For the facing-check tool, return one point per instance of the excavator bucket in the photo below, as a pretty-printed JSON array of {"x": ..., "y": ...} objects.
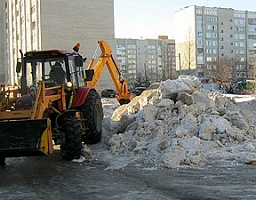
[{"x": 30, "y": 137}]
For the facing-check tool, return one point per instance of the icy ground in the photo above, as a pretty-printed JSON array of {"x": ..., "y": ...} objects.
[{"x": 178, "y": 125}]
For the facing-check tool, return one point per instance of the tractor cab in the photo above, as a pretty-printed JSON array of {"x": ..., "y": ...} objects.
[{"x": 53, "y": 67}]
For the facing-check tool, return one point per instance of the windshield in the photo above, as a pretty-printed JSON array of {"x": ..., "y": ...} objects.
[
  {"x": 46, "y": 70},
  {"x": 53, "y": 71}
]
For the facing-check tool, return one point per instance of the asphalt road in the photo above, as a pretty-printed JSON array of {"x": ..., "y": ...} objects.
[{"x": 50, "y": 177}]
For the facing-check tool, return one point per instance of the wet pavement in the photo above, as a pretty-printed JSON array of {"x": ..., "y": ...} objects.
[{"x": 50, "y": 177}]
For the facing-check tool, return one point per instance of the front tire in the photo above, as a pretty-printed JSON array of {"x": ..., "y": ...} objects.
[
  {"x": 71, "y": 143},
  {"x": 92, "y": 115}
]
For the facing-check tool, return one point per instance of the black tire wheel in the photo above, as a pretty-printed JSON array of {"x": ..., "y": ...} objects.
[
  {"x": 71, "y": 143},
  {"x": 2, "y": 161},
  {"x": 124, "y": 101},
  {"x": 92, "y": 115}
]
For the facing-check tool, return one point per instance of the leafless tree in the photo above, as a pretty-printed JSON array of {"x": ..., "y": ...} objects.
[
  {"x": 252, "y": 72},
  {"x": 222, "y": 72},
  {"x": 188, "y": 60}
]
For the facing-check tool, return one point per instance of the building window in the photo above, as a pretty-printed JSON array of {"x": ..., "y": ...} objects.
[
  {"x": 214, "y": 43},
  {"x": 131, "y": 51},
  {"x": 242, "y": 52},
  {"x": 242, "y": 44},
  {"x": 152, "y": 46},
  {"x": 239, "y": 29},
  {"x": 208, "y": 43},
  {"x": 131, "y": 46},
  {"x": 199, "y": 42},
  {"x": 120, "y": 51},
  {"x": 131, "y": 56},
  {"x": 252, "y": 21},
  {"x": 208, "y": 35},
  {"x": 200, "y": 50},
  {"x": 252, "y": 37},
  {"x": 199, "y": 26},
  {"x": 252, "y": 29},
  {"x": 209, "y": 67},
  {"x": 211, "y": 19},
  {"x": 120, "y": 45},
  {"x": 208, "y": 51},
  {"x": 209, "y": 59},
  {"x": 240, "y": 21},
  {"x": 199, "y": 34},
  {"x": 199, "y": 17},
  {"x": 200, "y": 58}
]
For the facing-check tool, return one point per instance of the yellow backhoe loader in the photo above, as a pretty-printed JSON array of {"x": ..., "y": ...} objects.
[{"x": 56, "y": 103}]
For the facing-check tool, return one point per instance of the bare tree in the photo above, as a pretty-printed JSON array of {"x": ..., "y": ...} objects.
[
  {"x": 252, "y": 72},
  {"x": 188, "y": 60},
  {"x": 222, "y": 72}
]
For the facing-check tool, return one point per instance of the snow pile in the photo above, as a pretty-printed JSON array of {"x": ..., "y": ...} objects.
[{"x": 179, "y": 124}]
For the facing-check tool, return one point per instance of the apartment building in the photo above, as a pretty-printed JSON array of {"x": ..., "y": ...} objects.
[
  {"x": 169, "y": 59},
  {"x": 149, "y": 59},
  {"x": 59, "y": 24},
  {"x": 3, "y": 62},
  {"x": 206, "y": 34}
]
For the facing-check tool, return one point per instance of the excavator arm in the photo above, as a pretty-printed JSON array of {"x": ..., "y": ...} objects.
[{"x": 106, "y": 58}]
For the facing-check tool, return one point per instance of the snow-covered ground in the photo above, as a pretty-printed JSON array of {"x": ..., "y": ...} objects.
[
  {"x": 177, "y": 125},
  {"x": 240, "y": 98}
]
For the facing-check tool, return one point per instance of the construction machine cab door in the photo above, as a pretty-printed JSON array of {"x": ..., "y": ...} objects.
[{"x": 76, "y": 71}]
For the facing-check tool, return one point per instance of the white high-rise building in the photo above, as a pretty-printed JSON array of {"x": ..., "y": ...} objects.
[
  {"x": 59, "y": 24},
  {"x": 149, "y": 59},
  {"x": 206, "y": 34}
]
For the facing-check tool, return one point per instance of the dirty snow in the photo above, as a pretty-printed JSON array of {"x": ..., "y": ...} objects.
[{"x": 176, "y": 125}]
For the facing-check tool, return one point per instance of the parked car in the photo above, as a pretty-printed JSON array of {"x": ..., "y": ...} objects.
[
  {"x": 138, "y": 90},
  {"x": 108, "y": 93}
]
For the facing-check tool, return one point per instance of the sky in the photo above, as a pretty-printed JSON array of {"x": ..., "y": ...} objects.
[{"x": 143, "y": 19}]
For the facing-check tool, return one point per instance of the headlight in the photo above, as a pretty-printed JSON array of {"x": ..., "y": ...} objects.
[{"x": 69, "y": 84}]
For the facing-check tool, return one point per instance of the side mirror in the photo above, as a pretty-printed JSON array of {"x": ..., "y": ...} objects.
[
  {"x": 79, "y": 61},
  {"x": 18, "y": 67},
  {"x": 89, "y": 74}
]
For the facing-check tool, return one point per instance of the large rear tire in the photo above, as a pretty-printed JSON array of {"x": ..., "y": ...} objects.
[
  {"x": 92, "y": 115},
  {"x": 71, "y": 143}
]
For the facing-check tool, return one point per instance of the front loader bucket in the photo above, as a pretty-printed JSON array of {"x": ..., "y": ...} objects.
[{"x": 30, "y": 137}]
